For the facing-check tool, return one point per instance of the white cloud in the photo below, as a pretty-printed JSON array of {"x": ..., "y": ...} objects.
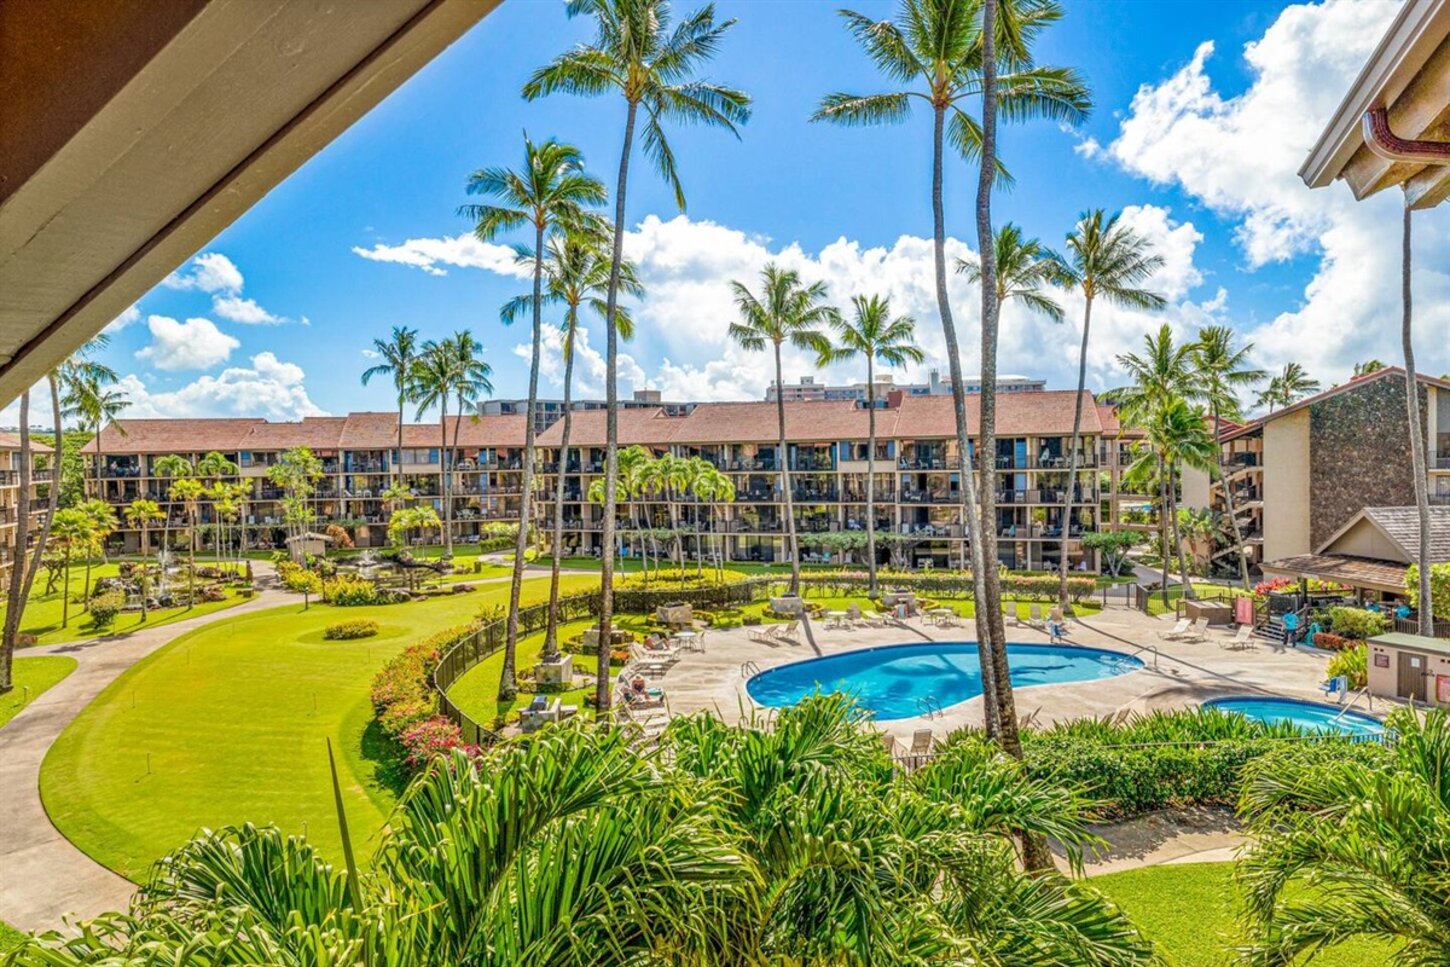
[
  {"x": 589, "y": 365},
  {"x": 1240, "y": 156},
  {"x": 193, "y": 344},
  {"x": 131, "y": 314},
  {"x": 245, "y": 311},
  {"x": 463, "y": 251},
  {"x": 269, "y": 388},
  {"x": 208, "y": 272}
]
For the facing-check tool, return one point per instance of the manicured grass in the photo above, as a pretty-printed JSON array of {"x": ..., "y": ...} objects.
[
  {"x": 42, "y": 616},
  {"x": 32, "y": 677},
  {"x": 477, "y": 691},
  {"x": 1175, "y": 593},
  {"x": 1191, "y": 911},
  {"x": 10, "y": 938},
  {"x": 227, "y": 725}
]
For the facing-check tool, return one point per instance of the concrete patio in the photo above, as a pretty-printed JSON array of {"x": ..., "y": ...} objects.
[{"x": 1174, "y": 674}]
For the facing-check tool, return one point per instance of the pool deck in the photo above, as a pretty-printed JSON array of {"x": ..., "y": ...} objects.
[{"x": 1178, "y": 675}]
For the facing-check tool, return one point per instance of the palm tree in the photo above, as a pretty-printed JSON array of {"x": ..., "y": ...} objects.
[
  {"x": 142, "y": 513},
  {"x": 1367, "y": 367},
  {"x": 578, "y": 273},
  {"x": 551, "y": 193},
  {"x": 1110, "y": 261},
  {"x": 1418, "y": 457},
  {"x": 189, "y": 491},
  {"x": 398, "y": 354},
  {"x": 214, "y": 469},
  {"x": 874, "y": 334},
  {"x": 715, "y": 488},
  {"x": 103, "y": 524},
  {"x": 939, "y": 46},
  {"x": 1223, "y": 371},
  {"x": 1287, "y": 387},
  {"x": 88, "y": 400},
  {"x": 1163, "y": 376},
  {"x": 1024, "y": 268},
  {"x": 785, "y": 311},
  {"x": 172, "y": 466},
  {"x": 433, "y": 376},
  {"x": 635, "y": 54},
  {"x": 1177, "y": 436},
  {"x": 1343, "y": 848},
  {"x": 74, "y": 529}
]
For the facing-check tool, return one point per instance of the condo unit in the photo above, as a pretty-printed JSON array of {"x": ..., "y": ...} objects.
[{"x": 40, "y": 481}]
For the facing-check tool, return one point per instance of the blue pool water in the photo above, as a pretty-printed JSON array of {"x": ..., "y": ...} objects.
[
  {"x": 892, "y": 681},
  {"x": 1307, "y": 715}
]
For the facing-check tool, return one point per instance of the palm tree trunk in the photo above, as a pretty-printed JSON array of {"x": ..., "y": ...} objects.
[
  {"x": 992, "y": 712},
  {"x": 443, "y": 474},
  {"x": 1178, "y": 534},
  {"x": 551, "y": 630},
  {"x": 1417, "y": 435},
  {"x": 144, "y": 580},
  {"x": 611, "y": 424},
  {"x": 792, "y": 546},
  {"x": 1087, "y": 321},
  {"x": 52, "y": 500},
  {"x": 872, "y": 590},
  {"x": 1163, "y": 522},
  {"x": 15, "y": 596},
  {"x": 65, "y": 594},
  {"x": 507, "y": 686},
  {"x": 1228, "y": 498}
]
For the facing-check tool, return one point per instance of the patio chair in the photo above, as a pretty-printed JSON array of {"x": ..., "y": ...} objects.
[
  {"x": 1197, "y": 631},
  {"x": 765, "y": 635},
  {"x": 922, "y": 742},
  {"x": 1177, "y": 631},
  {"x": 873, "y": 620},
  {"x": 661, "y": 649},
  {"x": 651, "y": 665},
  {"x": 1243, "y": 638},
  {"x": 1034, "y": 618},
  {"x": 853, "y": 614},
  {"x": 788, "y": 633},
  {"x": 889, "y": 742}
]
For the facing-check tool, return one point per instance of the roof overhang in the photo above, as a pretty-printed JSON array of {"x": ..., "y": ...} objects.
[
  {"x": 1409, "y": 75},
  {"x": 1371, "y": 575},
  {"x": 133, "y": 133}
]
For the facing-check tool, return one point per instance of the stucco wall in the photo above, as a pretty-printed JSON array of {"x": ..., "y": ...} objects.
[
  {"x": 1195, "y": 489},
  {"x": 1286, "y": 486}
]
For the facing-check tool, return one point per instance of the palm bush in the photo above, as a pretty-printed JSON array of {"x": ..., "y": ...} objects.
[{"x": 1349, "y": 849}]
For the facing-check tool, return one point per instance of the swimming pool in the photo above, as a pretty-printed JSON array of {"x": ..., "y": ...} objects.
[
  {"x": 1314, "y": 716},
  {"x": 895, "y": 681}
]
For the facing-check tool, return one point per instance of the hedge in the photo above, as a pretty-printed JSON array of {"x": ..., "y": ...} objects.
[
  {"x": 351, "y": 630},
  {"x": 957, "y": 583},
  {"x": 405, "y": 704}
]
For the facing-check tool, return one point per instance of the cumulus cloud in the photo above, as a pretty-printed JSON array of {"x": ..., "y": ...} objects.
[
  {"x": 193, "y": 344},
  {"x": 463, "y": 251},
  {"x": 208, "y": 272},
  {"x": 269, "y": 387},
  {"x": 589, "y": 365},
  {"x": 1239, "y": 155},
  {"x": 245, "y": 311},
  {"x": 131, "y": 314}
]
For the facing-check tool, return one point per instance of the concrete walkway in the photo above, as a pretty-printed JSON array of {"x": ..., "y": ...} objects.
[{"x": 44, "y": 880}]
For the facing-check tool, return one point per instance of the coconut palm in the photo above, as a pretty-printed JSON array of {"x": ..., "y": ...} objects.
[
  {"x": 1110, "y": 261},
  {"x": 398, "y": 354},
  {"x": 872, "y": 332},
  {"x": 1223, "y": 371},
  {"x": 1344, "y": 849},
  {"x": 715, "y": 488},
  {"x": 141, "y": 514},
  {"x": 937, "y": 46},
  {"x": 1025, "y": 267},
  {"x": 1286, "y": 387},
  {"x": 433, "y": 376},
  {"x": 636, "y": 54},
  {"x": 551, "y": 193},
  {"x": 215, "y": 469},
  {"x": 786, "y": 311},
  {"x": 88, "y": 399},
  {"x": 172, "y": 466},
  {"x": 578, "y": 272},
  {"x": 1176, "y": 437},
  {"x": 1418, "y": 458},
  {"x": 1368, "y": 366},
  {"x": 1163, "y": 375},
  {"x": 103, "y": 524},
  {"x": 188, "y": 491}
]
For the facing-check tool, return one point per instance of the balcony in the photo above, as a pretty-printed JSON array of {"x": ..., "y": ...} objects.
[
  {"x": 1440, "y": 500},
  {"x": 929, "y": 497}
]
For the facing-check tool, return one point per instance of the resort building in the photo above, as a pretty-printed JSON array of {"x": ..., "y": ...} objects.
[
  {"x": 1298, "y": 475},
  {"x": 808, "y": 389},
  {"x": 917, "y": 495},
  {"x": 360, "y": 459},
  {"x": 40, "y": 478},
  {"x": 547, "y": 411}
]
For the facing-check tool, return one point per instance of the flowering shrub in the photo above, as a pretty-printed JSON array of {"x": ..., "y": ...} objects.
[
  {"x": 1285, "y": 585},
  {"x": 297, "y": 578},
  {"x": 351, "y": 630},
  {"x": 1330, "y": 642},
  {"x": 1358, "y": 623},
  {"x": 346, "y": 591},
  {"x": 404, "y": 703}
]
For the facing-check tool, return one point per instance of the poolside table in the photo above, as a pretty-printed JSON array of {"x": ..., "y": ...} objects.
[
  {"x": 942, "y": 616},
  {"x": 688, "y": 639},
  {"x": 836, "y": 619}
]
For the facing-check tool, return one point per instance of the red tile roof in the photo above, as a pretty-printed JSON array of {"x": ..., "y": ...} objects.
[{"x": 356, "y": 431}]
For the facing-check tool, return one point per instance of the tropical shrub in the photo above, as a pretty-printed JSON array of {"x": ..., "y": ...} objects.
[
  {"x": 213, "y": 593},
  {"x": 403, "y": 698},
  {"x": 1113, "y": 545},
  {"x": 347, "y": 591},
  {"x": 105, "y": 607},
  {"x": 351, "y": 630},
  {"x": 1439, "y": 587},
  {"x": 341, "y": 539},
  {"x": 1353, "y": 664},
  {"x": 1358, "y": 623},
  {"x": 1329, "y": 641}
]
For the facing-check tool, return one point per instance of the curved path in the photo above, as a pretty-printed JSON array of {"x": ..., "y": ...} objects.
[{"x": 44, "y": 880}]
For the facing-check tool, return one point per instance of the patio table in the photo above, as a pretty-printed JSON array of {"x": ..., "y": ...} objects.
[
  {"x": 941, "y": 616},
  {"x": 836, "y": 619},
  {"x": 687, "y": 639}
]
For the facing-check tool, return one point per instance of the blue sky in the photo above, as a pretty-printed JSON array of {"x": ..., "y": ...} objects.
[{"x": 1186, "y": 138}]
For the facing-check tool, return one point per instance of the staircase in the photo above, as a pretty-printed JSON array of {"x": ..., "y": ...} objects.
[{"x": 1272, "y": 630}]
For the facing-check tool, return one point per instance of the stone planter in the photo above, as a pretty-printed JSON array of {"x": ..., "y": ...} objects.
[
  {"x": 618, "y": 638},
  {"x": 787, "y": 604},
  {"x": 1213, "y": 612},
  {"x": 676, "y": 614},
  {"x": 556, "y": 672}
]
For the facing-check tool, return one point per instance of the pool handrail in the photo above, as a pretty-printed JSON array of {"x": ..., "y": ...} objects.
[{"x": 1363, "y": 693}]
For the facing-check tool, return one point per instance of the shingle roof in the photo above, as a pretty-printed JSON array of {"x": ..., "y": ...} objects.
[
  {"x": 356, "y": 431},
  {"x": 1341, "y": 568},
  {"x": 1402, "y": 525},
  {"x": 1396, "y": 372},
  {"x": 11, "y": 441},
  {"x": 1045, "y": 412}
]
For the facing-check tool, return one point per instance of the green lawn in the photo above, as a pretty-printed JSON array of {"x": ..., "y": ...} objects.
[
  {"x": 32, "y": 677},
  {"x": 10, "y": 938},
  {"x": 1191, "y": 911},
  {"x": 227, "y": 725},
  {"x": 42, "y": 616},
  {"x": 1175, "y": 593},
  {"x": 477, "y": 691}
]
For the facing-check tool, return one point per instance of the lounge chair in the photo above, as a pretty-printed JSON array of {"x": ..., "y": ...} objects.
[
  {"x": 1178, "y": 631},
  {"x": 765, "y": 635},
  {"x": 1034, "y": 618},
  {"x": 651, "y": 664},
  {"x": 853, "y": 615},
  {"x": 889, "y": 741},
  {"x": 788, "y": 633},
  {"x": 922, "y": 742},
  {"x": 1243, "y": 638},
  {"x": 873, "y": 620},
  {"x": 1197, "y": 631}
]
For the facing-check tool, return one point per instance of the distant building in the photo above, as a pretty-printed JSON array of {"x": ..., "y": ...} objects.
[
  {"x": 546, "y": 411},
  {"x": 808, "y": 389}
]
